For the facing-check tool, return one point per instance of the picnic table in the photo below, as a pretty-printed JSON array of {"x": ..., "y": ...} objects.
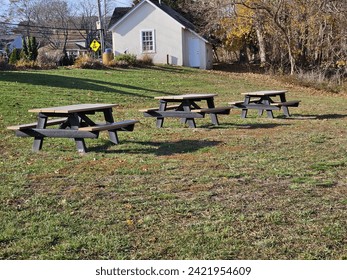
[
  {"x": 74, "y": 122},
  {"x": 186, "y": 108},
  {"x": 265, "y": 101}
]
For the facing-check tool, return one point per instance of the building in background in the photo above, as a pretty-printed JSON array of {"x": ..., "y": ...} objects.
[{"x": 153, "y": 29}]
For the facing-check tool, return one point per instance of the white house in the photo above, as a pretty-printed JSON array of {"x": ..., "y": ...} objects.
[{"x": 153, "y": 29}]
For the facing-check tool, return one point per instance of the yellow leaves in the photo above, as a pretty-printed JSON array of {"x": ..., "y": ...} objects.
[
  {"x": 341, "y": 63},
  {"x": 234, "y": 29}
]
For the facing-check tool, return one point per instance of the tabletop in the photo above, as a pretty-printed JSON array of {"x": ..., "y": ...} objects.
[
  {"x": 187, "y": 96},
  {"x": 264, "y": 92},
  {"x": 73, "y": 108}
]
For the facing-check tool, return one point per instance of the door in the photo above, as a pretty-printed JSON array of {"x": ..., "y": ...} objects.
[{"x": 194, "y": 52}]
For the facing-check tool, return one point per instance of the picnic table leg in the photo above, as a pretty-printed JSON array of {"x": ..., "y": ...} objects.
[
  {"x": 269, "y": 112},
  {"x": 260, "y": 111},
  {"x": 109, "y": 119},
  {"x": 75, "y": 124},
  {"x": 285, "y": 108},
  {"x": 38, "y": 141},
  {"x": 186, "y": 108},
  {"x": 214, "y": 118},
  {"x": 244, "y": 111},
  {"x": 286, "y": 111},
  {"x": 162, "y": 107}
]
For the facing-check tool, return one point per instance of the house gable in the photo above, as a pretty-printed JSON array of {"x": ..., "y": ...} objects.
[
  {"x": 118, "y": 13},
  {"x": 121, "y": 14},
  {"x": 134, "y": 13}
]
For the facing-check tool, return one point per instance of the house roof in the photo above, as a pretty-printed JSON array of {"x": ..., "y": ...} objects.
[
  {"x": 120, "y": 15},
  {"x": 175, "y": 15}
]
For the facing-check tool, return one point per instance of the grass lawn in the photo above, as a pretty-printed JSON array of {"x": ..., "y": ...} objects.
[{"x": 252, "y": 188}]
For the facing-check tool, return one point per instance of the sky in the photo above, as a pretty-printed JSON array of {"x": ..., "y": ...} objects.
[
  {"x": 124, "y": 3},
  {"x": 112, "y": 5},
  {"x": 117, "y": 3}
]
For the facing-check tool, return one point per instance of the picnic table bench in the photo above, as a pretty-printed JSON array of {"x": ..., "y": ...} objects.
[
  {"x": 74, "y": 124},
  {"x": 186, "y": 108},
  {"x": 263, "y": 101}
]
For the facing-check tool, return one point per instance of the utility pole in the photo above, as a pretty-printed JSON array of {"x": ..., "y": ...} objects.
[
  {"x": 105, "y": 20},
  {"x": 101, "y": 28}
]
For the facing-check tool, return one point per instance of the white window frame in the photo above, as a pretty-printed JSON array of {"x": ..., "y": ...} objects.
[{"x": 142, "y": 41}]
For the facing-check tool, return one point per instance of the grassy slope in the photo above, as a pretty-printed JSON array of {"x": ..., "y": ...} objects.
[{"x": 249, "y": 189}]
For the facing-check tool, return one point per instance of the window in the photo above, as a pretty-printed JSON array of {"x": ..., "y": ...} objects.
[{"x": 147, "y": 41}]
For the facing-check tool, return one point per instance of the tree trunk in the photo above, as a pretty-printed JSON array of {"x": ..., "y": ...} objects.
[{"x": 261, "y": 42}]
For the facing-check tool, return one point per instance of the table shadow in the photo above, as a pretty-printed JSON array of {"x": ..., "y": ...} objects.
[
  {"x": 156, "y": 148},
  {"x": 245, "y": 126},
  {"x": 318, "y": 117}
]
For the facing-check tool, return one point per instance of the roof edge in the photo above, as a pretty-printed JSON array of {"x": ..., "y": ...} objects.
[
  {"x": 135, "y": 8},
  {"x": 156, "y": 7}
]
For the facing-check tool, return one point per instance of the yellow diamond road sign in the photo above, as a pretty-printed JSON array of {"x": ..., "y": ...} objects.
[{"x": 95, "y": 45}]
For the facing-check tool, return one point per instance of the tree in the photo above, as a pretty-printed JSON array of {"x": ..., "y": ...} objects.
[
  {"x": 301, "y": 34},
  {"x": 14, "y": 56},
  {"x": 4, "y": 27},
  {"x": 24, "y": 52},
  {"x": 23, "y": 11},
  {"x": 53, "y": 19},
  {"x": 30, "y": 48}
]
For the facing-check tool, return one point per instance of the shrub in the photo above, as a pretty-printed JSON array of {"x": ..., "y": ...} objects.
[
  {"x": 23, "y": 64},
  {"x": 87, "y": 62},
  {"x": 146, "y": 60},
  {"x": 66, "y": 60},
  {"x": 49, "y": 59},
  {"x": 4, "y": 64},
  {"x": 125, "y": 60},
  {"x": 30, "y": 48},
  {"x": 15, "y": 56}
]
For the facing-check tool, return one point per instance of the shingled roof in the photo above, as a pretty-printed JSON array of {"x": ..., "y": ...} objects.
[
  {"x": 175, "y": 15},
  {"x": 119, "y": 13}
]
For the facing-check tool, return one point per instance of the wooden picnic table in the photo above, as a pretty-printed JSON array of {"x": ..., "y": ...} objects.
[
  {"x": 186, "y": 108},
  {"x": 74, "y": 122},
  {"x": 264, "y": 101}
]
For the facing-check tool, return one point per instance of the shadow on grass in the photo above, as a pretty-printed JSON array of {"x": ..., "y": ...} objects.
[
  {"x": 42, "y": 79},
  {"x": 330, "y": 116},
  {"x": 157, "y": 148},
  {"x": 313, "y": 117},
  {"x": 239, "y": 68},
  {"x": 245, "y": 126},
  {"x": 173, "y": 69}
]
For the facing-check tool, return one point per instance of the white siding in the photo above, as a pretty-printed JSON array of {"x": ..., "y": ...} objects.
[
  {"x": 168, "y": 34},
  {"x": 205, "y": 51}
]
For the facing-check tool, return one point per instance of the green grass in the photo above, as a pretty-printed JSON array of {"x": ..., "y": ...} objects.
[{"x": 251, "y": 188}]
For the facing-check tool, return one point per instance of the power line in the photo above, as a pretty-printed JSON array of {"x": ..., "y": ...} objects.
[{"x": 44, "y": 27}]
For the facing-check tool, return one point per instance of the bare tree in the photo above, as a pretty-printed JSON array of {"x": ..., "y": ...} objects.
[
  {"x": 85, "y": 18},
  {"x": 53, "y": 21},
  {"x": 23, "y": 11},
  {"x": 4, "y": 15}
]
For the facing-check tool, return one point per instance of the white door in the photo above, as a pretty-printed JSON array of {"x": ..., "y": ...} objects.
[{"x": 194, "y": 52}]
